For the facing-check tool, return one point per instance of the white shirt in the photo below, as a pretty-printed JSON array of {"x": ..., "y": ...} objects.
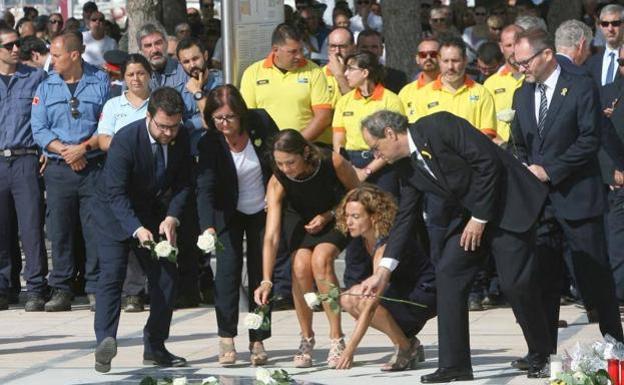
[
  {"x": 606, "y": 59},
  {"x": 95, "y": 49},
  {"x": 250, "y": 184},
  {"x": 374, "y": 22},
  {"x": 550, "y": 84}
]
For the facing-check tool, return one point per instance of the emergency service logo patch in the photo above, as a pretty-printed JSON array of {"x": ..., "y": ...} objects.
[
  {"x": 433, "y": 104},
  {"x": 262, "y": 82},
  {"x": 35, "y": 101},
  {"x": 499, "y": 91}
]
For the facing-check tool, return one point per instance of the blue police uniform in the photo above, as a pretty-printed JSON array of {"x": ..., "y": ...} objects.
[
  {"x": 119, "y": 112},
  {"x": 20, "y": 189},
  {"x": 69, "y": 193}
]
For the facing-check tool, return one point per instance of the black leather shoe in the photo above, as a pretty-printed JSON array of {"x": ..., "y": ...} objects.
[
  {"x": 447, "y": 375},
  {"x": 521, "y": 363},
  {"x": 163, "y": 359},
  {"x": 539, "y": 371},
  {"x": 104, "y": 354},
  {"x": 60, "y": 301},
  {"x": 34, "y": 302}
]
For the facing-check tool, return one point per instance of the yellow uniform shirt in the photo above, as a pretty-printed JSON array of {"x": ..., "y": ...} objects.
[
  {"x": 289, "y": 97},
  {"x": 502, "y": 85},
  {"x": 409, "y": 96},
  {"x": 471, "y": 101},
  {"x": 332, "y": 86},
  {"x": 352, "y": 108}
]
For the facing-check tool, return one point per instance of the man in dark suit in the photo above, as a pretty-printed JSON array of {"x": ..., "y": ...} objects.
[
  {"x": 556, "y": 134},
  {"x": 572, "y": 40},
  {"x": 613, "y": 175},
  {"x": 602, "y": 65},
  {"x": 142, "y": 192},
  {"x": 500, "y": 202}
]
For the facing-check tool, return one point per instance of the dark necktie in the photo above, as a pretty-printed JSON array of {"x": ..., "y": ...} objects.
[
  {"x": 611, "y": 69},
  {"x": 543, "y": 108},
  {"x": 159, "y": 165}
]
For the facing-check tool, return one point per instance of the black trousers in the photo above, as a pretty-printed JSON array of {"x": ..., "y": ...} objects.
[
  {"x": 21, "y": 202},
  {"x": 230, "y": 266},
  {"x": 615, "y": 239},
  {"x": 455, "y": 272},
  {"x": 161, "y": 277},
  {"x": 586, "y": 243}
]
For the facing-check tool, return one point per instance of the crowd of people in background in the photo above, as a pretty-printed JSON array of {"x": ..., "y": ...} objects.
[{"x": 300, "y": 164}]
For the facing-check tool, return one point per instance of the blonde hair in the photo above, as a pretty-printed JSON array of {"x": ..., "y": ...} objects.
[{"x": 379, "y": 205}]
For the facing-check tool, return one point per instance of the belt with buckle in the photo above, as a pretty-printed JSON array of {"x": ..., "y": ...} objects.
[{"x": 7, "y": 153}]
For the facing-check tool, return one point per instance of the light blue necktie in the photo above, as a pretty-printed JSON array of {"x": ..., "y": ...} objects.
[{"x": 611, "y": 69}]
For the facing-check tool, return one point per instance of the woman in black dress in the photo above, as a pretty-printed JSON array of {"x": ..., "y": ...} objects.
[
  {"x": 231, "y": 184},
  {"x": 307, "y": 184}
]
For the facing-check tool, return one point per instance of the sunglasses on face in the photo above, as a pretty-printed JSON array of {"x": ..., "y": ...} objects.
[
  {"x": 56, "y": 21},
  {"x": 9, "y": 46},
  {"x": 73, "y": 107},
  {"x": 426, "y": 54},
  {"x": 100, "y": 19},
  {"x": 615, "y": 23}
]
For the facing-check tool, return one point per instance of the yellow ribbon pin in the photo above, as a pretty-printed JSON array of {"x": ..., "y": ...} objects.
[
  {"x": 564, "y": 91},
  {"x": 425, "y": 154}
]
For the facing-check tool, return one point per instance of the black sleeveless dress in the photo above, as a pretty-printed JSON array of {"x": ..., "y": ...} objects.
[{"x": 307, "y": 198}]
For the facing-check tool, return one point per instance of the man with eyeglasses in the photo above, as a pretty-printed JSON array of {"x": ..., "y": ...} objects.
[
  {"x": 96, "y": 41},
  {"x": 556, "y": 134},
  {"x": 340, "y": 45},
  {"x": 140, "y": 198},
  {"x": 65, "y": 112},
  {"x": 20, "y": 189},
  {"x": 603, "y": 65},
  {"x": 504, "y": 83},
  {"x": 364, "y": 19},
  {"x": 427, "y": 62}
]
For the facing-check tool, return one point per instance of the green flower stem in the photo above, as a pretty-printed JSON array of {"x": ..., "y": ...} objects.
[{"x": 388, "y": 299}]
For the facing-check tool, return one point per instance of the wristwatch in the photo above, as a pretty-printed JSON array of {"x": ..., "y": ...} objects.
[{"x": 199, "y": 95}]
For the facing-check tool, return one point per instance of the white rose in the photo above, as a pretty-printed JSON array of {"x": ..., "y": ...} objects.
[
  {"x": 207, "y": 242},
  {"x": 180, "y": 381},
  {"x": 506, "y": 115},
  {"x": 312, "y": 300},
  {"x": 253, "y": 321},
  {"x": 163, "y": 249},
  {"x": 210, "y": 381},
  {"x": 264, "y": 375}
]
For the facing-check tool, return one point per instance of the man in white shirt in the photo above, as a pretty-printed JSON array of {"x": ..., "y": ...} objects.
[
  {"x": 603, "y": 65},
  {"x": 96, "y": 41}
]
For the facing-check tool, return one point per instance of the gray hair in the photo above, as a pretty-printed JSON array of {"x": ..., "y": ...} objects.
[
  {"x": 148, "y": 29},
  {"x": 527, "y": 22},
  {"x": 570, "y": 33},
  {"x": 611, "y": 9},
  {"x": 376, "y": 123}
]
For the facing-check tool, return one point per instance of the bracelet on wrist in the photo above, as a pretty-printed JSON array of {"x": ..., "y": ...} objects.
[{"x": 265, "y": 281}]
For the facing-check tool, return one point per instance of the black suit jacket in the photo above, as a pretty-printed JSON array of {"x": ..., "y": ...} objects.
[
  {"x": 612, "y": 157},
  {"x": 571, "y": 67},
  {"x": 127, "y": 193},
  {"x": 568, "y": 146},
  {"x": 470, "y": 171},
  {"x": 594, "y": 66},
  {"x": 217, "y": 181}
]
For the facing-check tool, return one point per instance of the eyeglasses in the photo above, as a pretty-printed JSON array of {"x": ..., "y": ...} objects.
[
  {"x": 352, "y": 68},
  {"x": 9, "y": 46},
  {"x": 438, "y": 19},
  {"x": 374, "y": 149},
  {"x": 526, "y": 63},
  {"x": 338, "y": 46},
  {"x": 55, "y": 21},
  {"x": 615, "y": 23},
  {"x": 164, "y": 127},
  {"x": 224, "y": 118},
  {"x": 426, "y": 54},
  {"x": 620, "y": 61},
  {"x": 73, "y": 107}
]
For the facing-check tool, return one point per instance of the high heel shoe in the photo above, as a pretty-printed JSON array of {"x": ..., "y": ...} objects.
[
  {"x": 336, "y": 347},
  {"x": 257, "y": 355},
  {"x": 227, "y": 353},
  {"x": 303, "y": 357},
  {"x": 405, "y": 359}
]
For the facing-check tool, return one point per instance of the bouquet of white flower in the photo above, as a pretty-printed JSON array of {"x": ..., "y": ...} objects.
[
  {"x": 209, "y": 243},
  {"x": 163, "y": 249},
  {"x": 506, "y": 115}
]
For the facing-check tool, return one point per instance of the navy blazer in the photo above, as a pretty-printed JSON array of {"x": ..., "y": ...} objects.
[
  {"x": 568, "y": 146},
  {"x": 471, "y": 172},
  {"x": 594, "y": 66},
  {"x": 571, "y": 67},
  {"x": 217, "y": 181},
  {"x": 127, "y": 193},
  {"x": 613, "y": 156}
]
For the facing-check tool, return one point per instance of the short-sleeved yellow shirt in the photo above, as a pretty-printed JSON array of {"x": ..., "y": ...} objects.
[
  {"x": 332, "y": 86},
  {"x": 502, "y": 85},
  {"x": 471, "y": 101},
  {"x": 289, "y": 97},
  {"x": 409, "y": 95},
  {"x": 352, "y": 108}
]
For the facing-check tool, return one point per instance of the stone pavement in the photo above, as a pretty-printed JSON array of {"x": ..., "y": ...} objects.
[{"x": 57, "y": 349}]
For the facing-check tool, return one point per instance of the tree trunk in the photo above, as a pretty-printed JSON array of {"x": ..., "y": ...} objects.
[
  {"x": 140, "y": 12},
  {"x": 401, "y": 29},
  {"x": 173, "y": 13}
]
